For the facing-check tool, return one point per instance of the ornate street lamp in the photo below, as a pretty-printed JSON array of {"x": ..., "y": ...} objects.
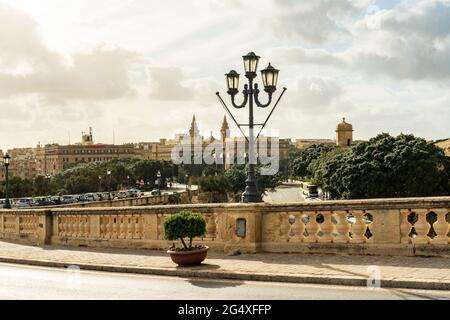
[
  {"x": 99, "y": 183},
  {"x": 108, "y": 173},
  {"x": 6, "y": 159},
  {"x": 158, "y": 177},
  {"x": 251, "y": 92}
]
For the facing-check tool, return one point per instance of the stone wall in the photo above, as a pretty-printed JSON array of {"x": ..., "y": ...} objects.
[{"x": 413, "y": 226}]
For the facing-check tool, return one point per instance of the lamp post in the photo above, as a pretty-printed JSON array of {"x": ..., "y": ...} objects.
[
  {"x": 47, "y": 179},
  {"x": 99, "y": 183},
  {"x": 186, "y": 181},
  {"x": 6, "y": 160},
  {"x": 108, "y": 173},
  {"x": 158, "y": 177},
  {"x": 251, "y": 92}
]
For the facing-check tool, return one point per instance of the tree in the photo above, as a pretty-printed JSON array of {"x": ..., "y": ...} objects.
[
  {"x": 214, "y": 184},
  {"x": 236, "y": 177},
  {"x": 184, "y": 224},
  {"x": 386, "y": 166},
  {"x": 19, "y": 188},
  {"x": 301, "y": 159}
]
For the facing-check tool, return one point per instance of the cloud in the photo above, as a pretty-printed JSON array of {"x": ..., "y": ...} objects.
[
  {"x": 165, "y": 83},
  {"x": 406, "y": 42},
  {"x": 314, "y": 21},
  {"x": 28, "y": 67},
  {"x": 314, "y": 94},
  {"x": 300, "y": 55}
]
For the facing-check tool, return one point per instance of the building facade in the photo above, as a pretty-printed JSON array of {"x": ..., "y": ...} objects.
[
  {"x": 444, "y": 145},
  {"x": 54, "y": 158}
]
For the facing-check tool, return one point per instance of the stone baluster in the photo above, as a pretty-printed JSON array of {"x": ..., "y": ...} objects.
[
  {"x": 131, "y": 226},
  {"x": 358, "y": 228},
  {"x": 81, "y": 226},
  {"x": 441, "y": 227},
  {"x": 297, "y": 228},
  {"x": 140, "y": 227},
  {"x": 70, "y": 226},
  {"x": 211, "y": 227},
  {"x": 160, "y": 226},
  {"x": 115, "y": 229},
  {"x": 312, "y": 227},
  {"x": 422, "y": 227},
  {"x": 61, "y": 231},
  {"x": 342, "y": 227},
  {"x": 74, "y": 226},
  {"x": 103, "y": 227},
  {"x": 327, "y": 228},
  {"x": 405, "y": 226},
  {"x": 284, "y": 227},
  {"x": 66, "y": 223},
  {"x": 109, "y": 226},
  {"x": 122, "y": 227},
  {"x": 87, "y": 227}
]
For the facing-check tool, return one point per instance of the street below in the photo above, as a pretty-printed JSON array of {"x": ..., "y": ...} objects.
[{"x": 27, "y": 282}]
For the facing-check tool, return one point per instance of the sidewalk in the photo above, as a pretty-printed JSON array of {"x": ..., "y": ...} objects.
[{"x": 398, "y": 272}]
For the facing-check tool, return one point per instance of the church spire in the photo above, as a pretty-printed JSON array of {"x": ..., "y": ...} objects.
[
  {"x": 193, "y": 131},
  {"x": 225, "y": 128}
]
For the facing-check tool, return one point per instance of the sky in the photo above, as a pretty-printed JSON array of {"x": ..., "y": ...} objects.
[{"x": 137, "y": 70}]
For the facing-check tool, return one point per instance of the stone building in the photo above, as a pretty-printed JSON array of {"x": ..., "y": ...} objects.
[
  {"x": 162, "y": 150},
  {"x": 305, "y": 143},
  {"x": 54, "y": 158},
  {"x": 23, "y": 162},
  {"x": 344, "y": 134},
  {"x": 444, "y": 145}
]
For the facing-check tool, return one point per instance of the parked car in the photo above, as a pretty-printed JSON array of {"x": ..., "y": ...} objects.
[
  {"x": 24, "y": 203},
  {"x": 122, "y": 195},
  {"x": 42, "y": 201},
  {"x": 134, "y": 193},
  {"x": 56, "y": 200},
  {"x": 106, "y": 196},
  {"x": 68, "y": 199},
  {"x": 155, "y": 192},
  {"x": 91, "y": 197}
]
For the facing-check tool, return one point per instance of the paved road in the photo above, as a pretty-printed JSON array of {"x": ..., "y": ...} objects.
[
  {"x": 284, "y": 193},
  {"x": 26, "y": 282}
]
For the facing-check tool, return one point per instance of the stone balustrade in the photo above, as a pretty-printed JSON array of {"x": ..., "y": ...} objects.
[
  {"x": 185, "y": 197},
  {"x": 413, "y": 226}
]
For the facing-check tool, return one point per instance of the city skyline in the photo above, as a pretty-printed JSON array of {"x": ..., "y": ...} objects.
[{"x": 116, "y": 66}]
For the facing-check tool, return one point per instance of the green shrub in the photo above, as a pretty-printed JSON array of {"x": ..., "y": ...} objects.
[
  {"x": 185, "y": 224},
  {"x": 174, "y": 198}
]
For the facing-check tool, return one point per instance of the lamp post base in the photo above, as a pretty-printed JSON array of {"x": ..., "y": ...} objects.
[
  {"x": 7, "y": 205},
  {"x": 251, "y": 197}
]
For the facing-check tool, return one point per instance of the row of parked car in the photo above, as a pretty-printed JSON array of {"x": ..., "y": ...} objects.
[{"x": 69, "y": 199}]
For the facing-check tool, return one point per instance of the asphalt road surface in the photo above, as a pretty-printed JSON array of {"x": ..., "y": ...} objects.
[
  {"x": 284, "y": 193},
  {"x": 26, "y": 282}
]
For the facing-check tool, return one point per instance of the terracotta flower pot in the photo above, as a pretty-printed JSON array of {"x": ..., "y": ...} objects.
[{"x": 188, "y": 258}]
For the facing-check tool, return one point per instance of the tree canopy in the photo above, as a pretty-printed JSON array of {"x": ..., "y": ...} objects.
[{"x": 384, "y": 167}]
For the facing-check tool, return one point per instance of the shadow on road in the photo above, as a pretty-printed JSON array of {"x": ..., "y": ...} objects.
[{"x": 213, "y": 284}]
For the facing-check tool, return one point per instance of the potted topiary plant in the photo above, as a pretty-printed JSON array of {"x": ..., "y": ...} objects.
[{"x": 181, "y": 225}]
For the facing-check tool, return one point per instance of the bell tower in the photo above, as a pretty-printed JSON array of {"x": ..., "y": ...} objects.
[{"x": 344, "y": 134}]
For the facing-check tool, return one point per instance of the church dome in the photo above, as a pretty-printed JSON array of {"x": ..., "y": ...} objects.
[{"x": 344, "y": 126}]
